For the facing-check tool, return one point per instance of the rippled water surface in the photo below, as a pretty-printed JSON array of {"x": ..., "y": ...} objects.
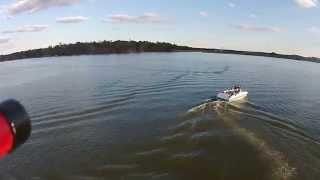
[{"x": 144, "y": 116}]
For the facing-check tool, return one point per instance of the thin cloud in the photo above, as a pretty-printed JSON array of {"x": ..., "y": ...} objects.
[
  {"x": 252, "y": 28},
  {"x": 142, "y": 19},
  {"x": 30, "y": 6},
  {"x": 314, "y": 30},
  {"x": 4, "y": 17},
  {"x": 4, "y": 40},
  {"x": 27, "y": 28},
  {"x": 203, "y": 14},
  {"x": 231, "y": 4},
  {"x": 71, "y": 19},
  {"x": 253, "y": 16},
  {"x": 307, "y": 3}
]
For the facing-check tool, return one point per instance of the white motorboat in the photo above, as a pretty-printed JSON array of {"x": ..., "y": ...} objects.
[{"x": 234, "y": 94}]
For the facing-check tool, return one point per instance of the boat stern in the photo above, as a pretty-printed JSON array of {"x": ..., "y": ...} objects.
[{"x": 223, "y": 96}]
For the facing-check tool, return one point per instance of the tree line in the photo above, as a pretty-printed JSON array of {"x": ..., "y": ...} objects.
[
  {"x": 114, "y": 47},
  {"x": 103, "y": 47}
]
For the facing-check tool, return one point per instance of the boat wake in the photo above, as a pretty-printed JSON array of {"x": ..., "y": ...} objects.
[
  {"x": 209, "y": 104},
  {"x": 224, "y": 140},
  {"x": 231, "y": 115}
]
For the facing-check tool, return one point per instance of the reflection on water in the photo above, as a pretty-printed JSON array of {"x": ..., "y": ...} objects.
[{"x": 135, "y": 117}]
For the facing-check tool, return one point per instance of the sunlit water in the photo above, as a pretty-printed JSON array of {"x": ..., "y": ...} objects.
[{"x": 143, "y": 116}]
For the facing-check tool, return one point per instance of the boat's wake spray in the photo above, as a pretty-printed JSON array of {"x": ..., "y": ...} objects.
[{"x": 206, "y": 105}]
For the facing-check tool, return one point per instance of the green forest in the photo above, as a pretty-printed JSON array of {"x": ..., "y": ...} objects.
[{"x": 103, "y": 47}]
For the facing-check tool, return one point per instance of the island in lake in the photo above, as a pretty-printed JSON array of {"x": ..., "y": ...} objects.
[{"x": 117, "y": 47}]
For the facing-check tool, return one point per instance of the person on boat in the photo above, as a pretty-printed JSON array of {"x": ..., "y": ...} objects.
[{"x": 236, "y": 89}]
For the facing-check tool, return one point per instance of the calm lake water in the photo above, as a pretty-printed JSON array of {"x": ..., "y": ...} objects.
[{"x": 142, "y": 116}]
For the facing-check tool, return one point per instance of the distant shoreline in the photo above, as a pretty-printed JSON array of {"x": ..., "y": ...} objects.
[
  {"x": 123, "y": 47},
  {"x": 263, "y": 54}
]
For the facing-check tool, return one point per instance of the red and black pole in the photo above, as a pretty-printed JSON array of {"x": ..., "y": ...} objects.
[{"x": 15, "y": 126}]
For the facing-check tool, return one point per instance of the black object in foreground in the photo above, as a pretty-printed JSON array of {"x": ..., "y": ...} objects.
[{"x": 15, "y": 126}]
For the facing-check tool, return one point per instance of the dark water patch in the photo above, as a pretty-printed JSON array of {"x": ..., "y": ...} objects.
[
  {"x": 188, "y": 72},
  {"x": 225, "y": 69}
]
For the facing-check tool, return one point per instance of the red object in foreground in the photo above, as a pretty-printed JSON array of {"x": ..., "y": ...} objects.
[
  {"x": 6, "y": 136},
  {"x": 15, "y": 126}
]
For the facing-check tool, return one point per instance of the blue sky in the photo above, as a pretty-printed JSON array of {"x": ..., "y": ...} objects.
[{"x": 286, "y": 26}]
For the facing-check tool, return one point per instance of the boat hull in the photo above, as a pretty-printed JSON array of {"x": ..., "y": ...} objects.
[{"x": 236, "y": 97}]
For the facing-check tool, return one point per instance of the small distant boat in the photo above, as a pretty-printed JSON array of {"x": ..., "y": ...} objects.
[{"x": 234, "y": 94}]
